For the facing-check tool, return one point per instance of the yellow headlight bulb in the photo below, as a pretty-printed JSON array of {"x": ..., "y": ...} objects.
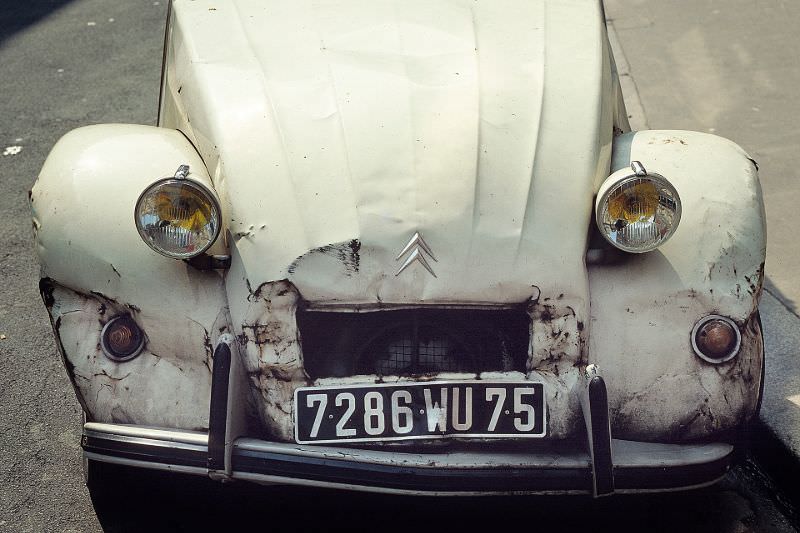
[{"x": 634, "y": 202}]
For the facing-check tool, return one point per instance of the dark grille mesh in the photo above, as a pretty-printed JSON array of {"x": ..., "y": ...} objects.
[{"x": 410, "y": 342}]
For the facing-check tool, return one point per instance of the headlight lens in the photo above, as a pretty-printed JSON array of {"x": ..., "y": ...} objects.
[
  {"x": 639, "y": 212},
  {"x": 178, "y": 217}
]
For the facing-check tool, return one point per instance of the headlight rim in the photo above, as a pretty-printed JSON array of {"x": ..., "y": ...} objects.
[
  {"x": 636, "y": 171},
  {"x": 181, "y": 177}
]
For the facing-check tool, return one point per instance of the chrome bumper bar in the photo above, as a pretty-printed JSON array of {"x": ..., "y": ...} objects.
[{"x": 557, "y": 468}]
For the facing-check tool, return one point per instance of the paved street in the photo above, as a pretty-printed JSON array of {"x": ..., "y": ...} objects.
[{"x": 722, "y": 66}]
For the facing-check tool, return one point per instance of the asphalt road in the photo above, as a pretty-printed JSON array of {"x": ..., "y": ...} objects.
[{"x": 67, "y": 64}]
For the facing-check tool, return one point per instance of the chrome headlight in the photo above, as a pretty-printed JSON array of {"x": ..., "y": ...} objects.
[
  {"x": 638, "y": 212},
  {"x": 178, "y": 217}
]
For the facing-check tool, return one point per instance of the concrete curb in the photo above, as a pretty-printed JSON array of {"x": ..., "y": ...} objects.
[
  {"x": 776, "y": 435},
  {"x": 630, "y": 93}
]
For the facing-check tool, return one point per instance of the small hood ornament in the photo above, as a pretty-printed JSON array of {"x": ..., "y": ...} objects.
[{"x": 415, "y": 251}]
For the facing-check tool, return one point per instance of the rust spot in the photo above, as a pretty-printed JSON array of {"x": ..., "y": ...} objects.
[
  {"x": 209, "y": 350},
  {"x": 253, "y": 294},
  {"x": 261, "y": 333},
  {"x": 355, "y": 247},
  {"x": 271, "y": 373},
  {"x": 347, "y": 253}
]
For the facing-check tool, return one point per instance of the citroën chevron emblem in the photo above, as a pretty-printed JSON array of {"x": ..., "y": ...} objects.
[{"x": 415, "y": 251}]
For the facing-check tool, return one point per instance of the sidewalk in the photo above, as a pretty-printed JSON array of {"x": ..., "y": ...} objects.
[{"x": 731, "y": 67}]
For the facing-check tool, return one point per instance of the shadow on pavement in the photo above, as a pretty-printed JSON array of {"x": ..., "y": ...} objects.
[
  {"x": 157, "y": 502},
  {"x": 16, "y": 16}
]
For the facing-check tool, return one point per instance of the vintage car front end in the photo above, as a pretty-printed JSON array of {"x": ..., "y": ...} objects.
[{"x": 408, "y": 250}]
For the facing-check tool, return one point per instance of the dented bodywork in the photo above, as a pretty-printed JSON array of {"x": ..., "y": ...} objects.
[{"x": 452, "y": 121}]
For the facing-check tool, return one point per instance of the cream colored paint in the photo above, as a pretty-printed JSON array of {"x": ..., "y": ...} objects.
[
  {"x": 88, "y": 245},
  {"x": 644, "y": 307},
  {"x": 389, "y": 118},
  {"x": 334, "y": 131}
]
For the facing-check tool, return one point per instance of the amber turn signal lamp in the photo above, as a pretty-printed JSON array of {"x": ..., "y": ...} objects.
[
  {"x": 716, "y": 339},
  {"x": 121, "y": 339}
]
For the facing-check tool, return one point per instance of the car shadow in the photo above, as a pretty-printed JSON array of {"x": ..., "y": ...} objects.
[
  {"x": 16, "y": 16},
  {"x": 158, "y": 502}
]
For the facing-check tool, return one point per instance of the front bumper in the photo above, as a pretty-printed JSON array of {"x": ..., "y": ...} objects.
[
  {"x": 637, "y": 466},
  {"x": 599, "y": 466}
]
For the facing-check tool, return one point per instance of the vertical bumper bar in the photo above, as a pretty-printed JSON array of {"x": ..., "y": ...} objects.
[
  {"x": 226, "y": 418},
  {"x": 218, "y": 415},
  {"x": 594, "y": 403}
]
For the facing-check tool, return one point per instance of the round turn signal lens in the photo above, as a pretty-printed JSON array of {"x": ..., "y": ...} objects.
[
  {"x": 716, "y": 339},
  {"x": 638, "y": 212},
  {"x": 178, "y": 217},
  {"x": 121, "y": 339}
]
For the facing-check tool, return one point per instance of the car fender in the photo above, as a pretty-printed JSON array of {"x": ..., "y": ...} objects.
[
  {"x": 644, "y": 306},
  {"x": 95, "y": 266}
]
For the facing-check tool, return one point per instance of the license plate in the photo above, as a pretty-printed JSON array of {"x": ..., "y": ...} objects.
[{"x": 405, "y": 411}]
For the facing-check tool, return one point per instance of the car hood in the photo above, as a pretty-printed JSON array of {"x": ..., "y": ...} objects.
[{"x": 336, "y": 132}]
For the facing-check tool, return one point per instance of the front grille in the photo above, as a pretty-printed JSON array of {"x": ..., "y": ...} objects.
[{"x": 413, "y": 341}]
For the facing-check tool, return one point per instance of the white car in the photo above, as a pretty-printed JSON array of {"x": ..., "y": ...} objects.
[{"x": 407, "y": 248}]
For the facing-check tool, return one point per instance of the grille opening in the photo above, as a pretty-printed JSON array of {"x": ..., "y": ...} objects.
[{"x": 413, "y": 341}]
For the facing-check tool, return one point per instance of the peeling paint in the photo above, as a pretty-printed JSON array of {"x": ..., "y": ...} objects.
[
  {"x": 557, "y": 336},
  {"x": 152, "y": 389},
  {"x": 269, "y": 344},
  {"x": 658, "y": 388},
  {"x": 711, "y": 399}
]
